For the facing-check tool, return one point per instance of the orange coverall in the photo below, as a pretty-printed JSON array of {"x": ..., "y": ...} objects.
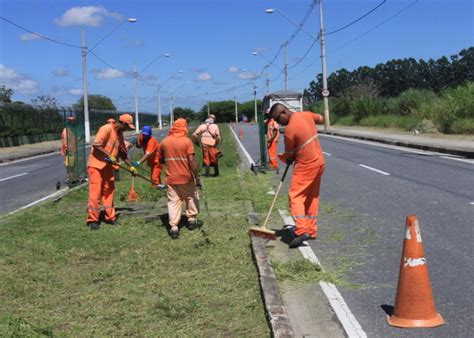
[
  {"x": 151, "y": 146},
  {"x": 272, "y": 127},
  {"x": 174, "y": 151},
  {"x": 101, "y": 173},
  {"x": 210, "y": 134},
  {"x": 302, "y": 144}
]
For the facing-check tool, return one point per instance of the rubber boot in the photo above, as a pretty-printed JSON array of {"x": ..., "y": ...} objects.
[
  {"x": 206, "y": 171},
  {"x": 216, "y": 170}
]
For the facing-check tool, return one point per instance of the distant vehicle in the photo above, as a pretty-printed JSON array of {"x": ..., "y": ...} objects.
[{"x": 165, "y": 124}]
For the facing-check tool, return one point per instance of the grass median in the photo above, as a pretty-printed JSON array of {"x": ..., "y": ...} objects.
[{"x": 59, "y": 278}]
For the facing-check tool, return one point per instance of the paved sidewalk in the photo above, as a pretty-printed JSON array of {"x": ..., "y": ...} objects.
[{"x": 461, "y": 145}]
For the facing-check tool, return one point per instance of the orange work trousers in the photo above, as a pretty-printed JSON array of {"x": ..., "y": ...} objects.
[
  {"x": 177, "y": 194},
  {"x": 155, "y": 171},
  {"x": 303, "y": 197},
  {"x": 101, "y": 189},
  {"x": 209, "y": 155},
  {"x": 272, "y": 154}
]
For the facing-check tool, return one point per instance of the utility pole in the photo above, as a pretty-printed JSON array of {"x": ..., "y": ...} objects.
[
  {"x": 171, "y": 110},
  {"x": 160, "y": 122},
  {"x": 236, "y": 108},
  {"x": 325, "y": 92},
  {"x": 137, "y": 124},
  {"x": 208, "y": 105},
  {"x": 267, "y": 81},
  {"x": 255, "y": 100},
  {"x": 87, "y": 128},
  {"x": 286, "y": 65}
]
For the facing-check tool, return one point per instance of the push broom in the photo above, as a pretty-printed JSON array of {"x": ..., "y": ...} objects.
[{"x": 263, "y": 231}]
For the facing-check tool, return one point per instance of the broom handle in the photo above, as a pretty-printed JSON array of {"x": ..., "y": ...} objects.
[
  {"x": 137, "y": 174},
  {"x": 276, "y": 196}
]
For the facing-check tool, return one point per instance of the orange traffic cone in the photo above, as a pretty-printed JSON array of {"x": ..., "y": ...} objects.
[
  {"x": 241, "y": 133},
  {"x": 414, "y": 304},
  {"x": 132, "y": 195}
]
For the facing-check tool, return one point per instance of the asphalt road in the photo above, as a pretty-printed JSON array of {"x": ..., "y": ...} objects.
[
  {"x": 371, "y": 189},
  {"x": 25, "y": 181}
]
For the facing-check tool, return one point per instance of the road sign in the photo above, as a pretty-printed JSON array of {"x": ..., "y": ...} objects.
[{"x": 325, "y": 92}]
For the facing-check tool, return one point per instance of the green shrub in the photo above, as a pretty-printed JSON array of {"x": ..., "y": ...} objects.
[
  {"x": 463, "y": 126},
  {"x": 408, "y": 101},
  {"x": 367, "y": 106},
  {"x": 391, "y": 121},
  {"x": 346, "y": 120}
]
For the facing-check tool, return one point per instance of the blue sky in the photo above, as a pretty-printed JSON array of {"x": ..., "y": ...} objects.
[{"x": 212, "y": 42}]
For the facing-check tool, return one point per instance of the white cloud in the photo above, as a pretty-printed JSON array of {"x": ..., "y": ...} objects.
[
  {"x": 11, "y": 79},
  {"x": 29, "y": 36},
  {"x": 85, "y": 16},
  {"x": 204, "y": 77},
  {"x": 109, "y": 73},
  {"x": 75, "y": 92},
  {"x": 59, "y": 72},
  {"x": 233, "y": 69},
  {"x": 246, "y": 75}
]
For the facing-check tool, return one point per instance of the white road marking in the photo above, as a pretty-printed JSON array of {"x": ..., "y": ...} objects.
[
  {"x": 242, "y": 147},
  {"x": 8, "y": 178},
  {"x": 325, "y": 153},
  {"x": 340, "y": 307},
  {"x": 459, "y": 159},
  {"x": 37, "y": 201},
  {"x": 29, "y": 158},
  {"x": 373, "y": 169},
  {"x": 382, "y": 145}
]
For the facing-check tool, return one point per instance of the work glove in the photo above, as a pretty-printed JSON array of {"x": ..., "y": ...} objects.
[
  {"x": 111, "y": 159},
  {"x": 135, "y": 164},
  {"x": 133, "y": 171},
  {"x": 289, "y": 161}
]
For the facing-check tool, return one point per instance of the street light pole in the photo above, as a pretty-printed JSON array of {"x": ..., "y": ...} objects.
[
  {"x": 255, "y": 100},
  {"x": 137, "y": 124},
  {"x": 171, "y": 110},
  {"x": 87, "y": 129},
  {"x": 286, "y": 65},
  {"x": 236, "y": 108},
  {"x": 160, "y": 122},
  {"x": 325, "y": 92}
]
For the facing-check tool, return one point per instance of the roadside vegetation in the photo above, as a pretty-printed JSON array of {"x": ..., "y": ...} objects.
[{"x": 59, "y": 278}]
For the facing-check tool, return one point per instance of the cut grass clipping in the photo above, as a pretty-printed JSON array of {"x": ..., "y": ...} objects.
[{"x": 59, "y": 278}]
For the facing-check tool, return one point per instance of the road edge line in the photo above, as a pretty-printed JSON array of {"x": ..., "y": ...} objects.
[
  {"x": 344, "y": 314},
  {"x": 249, "y": 158}
]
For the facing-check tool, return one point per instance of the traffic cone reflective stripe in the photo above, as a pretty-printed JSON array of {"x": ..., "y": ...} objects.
[{"x": 414, "y": 303}]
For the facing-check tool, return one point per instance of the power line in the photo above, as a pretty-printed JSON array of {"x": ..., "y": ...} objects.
[
  {"x": 366, "y": 32},
  {"x": 356, "y": 20},
  {"x": 37, "y": 34}
]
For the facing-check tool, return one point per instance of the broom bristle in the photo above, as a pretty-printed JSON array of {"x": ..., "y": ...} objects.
[{"x": 262, "y": 232}]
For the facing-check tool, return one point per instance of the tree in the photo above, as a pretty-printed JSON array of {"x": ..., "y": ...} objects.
[
  {"x": 45, "y": 101},
  {"x": 99, "y": 102},
  {"x": 185, "y": 113},
  {"x": 6, "y": 94}
]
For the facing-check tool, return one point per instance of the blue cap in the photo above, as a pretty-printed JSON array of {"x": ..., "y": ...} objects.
[{"x": 146, "y": 131}]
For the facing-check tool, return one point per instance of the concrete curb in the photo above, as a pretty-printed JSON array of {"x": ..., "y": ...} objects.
[
  {"x": 439, "y": 149},
  {"x": 276, "y": 312}
]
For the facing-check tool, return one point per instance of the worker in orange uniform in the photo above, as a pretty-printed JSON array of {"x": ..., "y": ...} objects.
[
  {"x": 181, "y": 176},
  {"x": 273, "y": 132},
  {"x": 68, "y": 147},
  {"x": 303, "y": 149},
  {"x": 151, "y": 154},
  {"x": 210, "y": 139},
  {"x": 108, "y": 145}
]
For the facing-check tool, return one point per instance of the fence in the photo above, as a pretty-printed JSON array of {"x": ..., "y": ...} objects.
[{"x": 23, "y": 123}]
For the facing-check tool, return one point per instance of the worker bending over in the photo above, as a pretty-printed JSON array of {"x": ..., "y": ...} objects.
[
  {"x": 273, "y": 132},
  {"x": 108, "y": 145},
  {"x": 303, "y": 149},
  {"x": 181, "y": 176},
  {"x": 151, "y": 154},
  {"x": 210, "y": 139}
]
